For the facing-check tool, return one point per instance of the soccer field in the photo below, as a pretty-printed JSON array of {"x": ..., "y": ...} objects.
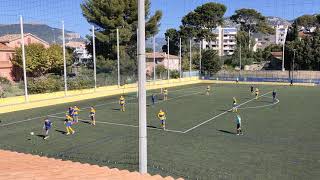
[{"x": 280, "y": 141}]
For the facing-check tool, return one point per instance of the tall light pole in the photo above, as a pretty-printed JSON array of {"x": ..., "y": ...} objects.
[
  {"x": 64, "y": 61},
  {"x": 26, "y": 96},
  {"x": 294, "y": 57},
  {"x": 200, "y": 58},
  {"x": 190, "y": 60},
  {"x": 154, "y": 59},
  {"x": 283, "y": 69},
  {"x": 94, "y": 59},
  {"x": 168, "y": 57},
  {"x": 180, "y": 70},
  {"x": 240, "y": 60},
  {"x": 118, "y": 57},
  {"x": 142, "y": 89}
]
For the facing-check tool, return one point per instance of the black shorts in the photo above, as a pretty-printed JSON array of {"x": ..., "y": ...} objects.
[{"x": 238, "y": 126}]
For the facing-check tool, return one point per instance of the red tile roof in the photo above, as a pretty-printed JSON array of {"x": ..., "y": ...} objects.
[
  {"x": 19, "y": 166},
  {"x": 4, "y": 47},
  {"x": 11, "y": 37}
]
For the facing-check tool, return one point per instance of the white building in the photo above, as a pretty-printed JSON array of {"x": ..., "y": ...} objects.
[
  {"x": 281, "y": 34},
  {"x": 225, "y": 42}
]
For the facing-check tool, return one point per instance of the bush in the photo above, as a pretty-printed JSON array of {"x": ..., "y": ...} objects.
[
  {"x": 7, "y": 88},
  {"x": 174, "y": 74},
  {"x": 45, "y": 84},
  {"x": 80, "y": 82},
  {"x": 4, "y": 80}
]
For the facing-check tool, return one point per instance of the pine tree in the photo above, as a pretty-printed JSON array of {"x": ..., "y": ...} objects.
[{"x": 109, "y": 15}]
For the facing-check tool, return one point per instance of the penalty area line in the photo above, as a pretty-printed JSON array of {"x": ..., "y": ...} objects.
[{"x": 208, "y": 120}]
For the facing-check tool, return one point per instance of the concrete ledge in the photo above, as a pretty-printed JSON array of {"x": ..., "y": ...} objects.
[{"x": 12, "y": 104}]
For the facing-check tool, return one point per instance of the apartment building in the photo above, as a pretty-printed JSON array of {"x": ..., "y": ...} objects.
[
  {"x": 281, "y": 34},
  {"x": 225, "y": 42}
]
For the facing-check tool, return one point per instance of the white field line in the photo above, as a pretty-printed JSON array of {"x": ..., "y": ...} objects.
[
  {"x": 262, "y": 106},
  {"x": 119, "y": 124},
  {"x": 30, "y": 119},
  {"x": 206, "y": 121}
]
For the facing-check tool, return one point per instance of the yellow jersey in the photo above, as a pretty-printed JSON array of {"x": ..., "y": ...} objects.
[
  {"x": 92, "y": 112},
  {"x": 165, "y": 91},
  {"x": 162, "y": 115},
  {"x": 76, "y": 110},
  {"x": 122, "y": 101}
]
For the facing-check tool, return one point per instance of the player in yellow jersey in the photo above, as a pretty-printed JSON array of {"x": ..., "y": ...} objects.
[
  {"x": 165, "y": 94},
  {"x": 208, "y": 90},
  {"x": 122, "y": 103},
  {"x": 68, "y": 123},
  {"x": 257, "y": 93},
  {"x": 234, "y": 105},
  {"x": 93, "y": 116},
  {"x": 75, "y": 114},
  {"x": 162, "y": 118}
]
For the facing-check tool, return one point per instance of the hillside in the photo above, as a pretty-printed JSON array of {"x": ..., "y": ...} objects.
[{"x": 43, "y": 31}]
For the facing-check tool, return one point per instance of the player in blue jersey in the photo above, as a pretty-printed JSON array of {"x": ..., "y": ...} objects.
[
  {"x": 238, "y": 125},
  {"x": 153, "y": 99},
  {"x": 274, "y": 95},
  {"x": 47, "y": 126}
]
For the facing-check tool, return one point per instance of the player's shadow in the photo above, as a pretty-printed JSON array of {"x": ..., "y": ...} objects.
[
  {"x": 85, "y": 122},
  {"x": 62, "y": 132},
  {"x": 227, "y": 132},
  {"x": 154, "y": 127},
  {"x": 41, "y": 135},
  {"x": 116, "y": 109}
]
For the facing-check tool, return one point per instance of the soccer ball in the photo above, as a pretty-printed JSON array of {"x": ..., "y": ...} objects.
[{"x": 32, "y": 133}]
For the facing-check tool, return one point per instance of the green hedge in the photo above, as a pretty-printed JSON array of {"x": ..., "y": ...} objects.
[{"x": 45, "y": 84}]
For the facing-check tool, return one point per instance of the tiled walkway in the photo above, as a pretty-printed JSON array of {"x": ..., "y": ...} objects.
[{"x": 18, "y": 166}]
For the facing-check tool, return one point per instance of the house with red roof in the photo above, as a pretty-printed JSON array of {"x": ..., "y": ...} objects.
[
  {"x": 8, "y": 43},
  {"x": 161, "y": 58}
]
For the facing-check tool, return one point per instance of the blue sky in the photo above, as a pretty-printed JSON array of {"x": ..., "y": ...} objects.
[{"x": 52, "y": 12}]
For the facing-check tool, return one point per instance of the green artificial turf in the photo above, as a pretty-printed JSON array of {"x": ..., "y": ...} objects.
[{"x": 280, "y": 141}]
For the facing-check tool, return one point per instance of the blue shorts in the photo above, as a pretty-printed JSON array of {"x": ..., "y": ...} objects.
[
  {"x": 162, "y": 121},
  {"x": 47, "y": 128},
  {"x": 68, "y": 124},
  {"x": 75, "y": 115}
]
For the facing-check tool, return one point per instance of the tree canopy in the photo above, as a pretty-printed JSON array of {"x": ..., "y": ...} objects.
[
  {"x": 251, "y": 21},
  {"x": 211, "y": 62},
  {"x": 109, "y": 15},
  {"x": 307, "y": 21},
  {"x": 40, "y": 60},
  {"x": 201, "y": 22}
]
